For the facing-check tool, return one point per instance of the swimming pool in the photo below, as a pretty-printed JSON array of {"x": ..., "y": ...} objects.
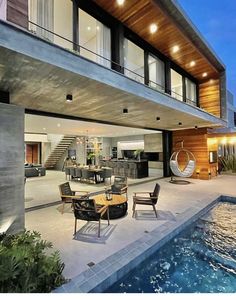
[{"x": 200, "y": 259}]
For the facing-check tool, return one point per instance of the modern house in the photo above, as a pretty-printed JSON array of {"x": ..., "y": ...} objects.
[{"x": 139, "y": 63}]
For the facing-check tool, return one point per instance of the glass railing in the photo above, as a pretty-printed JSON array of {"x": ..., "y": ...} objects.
[{"x": 69, "y": 45}]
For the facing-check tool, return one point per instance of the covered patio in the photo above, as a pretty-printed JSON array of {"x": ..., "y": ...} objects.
[{"x": 86, "y": 249}]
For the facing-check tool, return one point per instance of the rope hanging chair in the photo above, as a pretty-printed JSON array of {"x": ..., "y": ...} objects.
[{"x": 188, "y": 169}]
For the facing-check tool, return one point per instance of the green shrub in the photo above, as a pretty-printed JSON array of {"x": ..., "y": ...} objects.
[
  {"x": 24, "y": 266},
  {"x": 229, "y": 163}
]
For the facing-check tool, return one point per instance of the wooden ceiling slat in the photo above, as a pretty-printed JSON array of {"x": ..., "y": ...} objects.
[{"x": 138, "y": 15}]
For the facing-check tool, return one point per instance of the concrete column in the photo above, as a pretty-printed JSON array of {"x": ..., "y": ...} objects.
[{"x": 12, "y": 207}]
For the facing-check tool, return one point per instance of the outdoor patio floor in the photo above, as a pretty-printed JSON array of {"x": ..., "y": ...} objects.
[{"x": 86, "y": 247}]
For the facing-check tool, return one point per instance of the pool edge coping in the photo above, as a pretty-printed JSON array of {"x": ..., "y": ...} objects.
[{"x": 105, "y": 273}]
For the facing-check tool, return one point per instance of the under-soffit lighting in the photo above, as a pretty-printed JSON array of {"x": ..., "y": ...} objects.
[
  {"x": 204, "y": 74},
  {"x": 175, "y": 49},
  {"x": 158, "y": 118},
  {"x": 69, "y": 98},
  {"x": 125, "y": 111},
  {"x": 153, "y": 28},
  {"x": 192, "y": 63},
  {"x": 120, "y": 2}
]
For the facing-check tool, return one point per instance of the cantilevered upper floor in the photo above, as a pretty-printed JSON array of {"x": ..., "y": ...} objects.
[{"x": 142, "y": 55}]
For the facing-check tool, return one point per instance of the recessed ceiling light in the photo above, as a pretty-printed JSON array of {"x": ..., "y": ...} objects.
[
  {"x": 193, "y": 63},
  {"x": 125, "y": 111},
  {"x": 44, "y": 128},
  {"x": 58, "y": 125},
  {"x": 89, "y": 28},
  {"x": 175, "y": 49},
  {"x": 196, "y": 127},
  {"x": 204, "y": 74},
  {"x": 158, "y": 118},
  {"x": 98, "y": 27},
  {"x": 180, "y": 123},
  {"x": 153, "y": 28},
  {"x": 120, "y": 2},
  {"x": 211, "y": 81}
]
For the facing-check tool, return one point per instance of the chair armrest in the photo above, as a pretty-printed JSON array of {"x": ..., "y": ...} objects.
[
  {"x": 72, "y": 197},
  {"x": 102, "y": 210},
  {"x": 124, "y": 188},
  {"x": 144, "y": 198}
]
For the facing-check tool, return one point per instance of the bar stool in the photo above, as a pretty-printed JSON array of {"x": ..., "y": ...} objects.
[{"x": 132, "y": 170}]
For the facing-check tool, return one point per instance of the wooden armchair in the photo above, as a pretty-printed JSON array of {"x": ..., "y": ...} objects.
[
  {"x": 146, "y": 198},
  {"x": 86, "y": 209},
  {"x": 119, "y": 187},
  {"x": 67, "y": 195}
]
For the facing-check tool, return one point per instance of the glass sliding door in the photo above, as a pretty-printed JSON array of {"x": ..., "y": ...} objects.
[
  {"x": 191, "y": 92},
  {"x": 156, "y": 73},
  {"x": 54, "y": 16},
  {"x": 41, "y": 13},
  {"x": 95, "y": 39},
  {"x": 176, "y": 85},
  {"x": 133, "y": 61}
]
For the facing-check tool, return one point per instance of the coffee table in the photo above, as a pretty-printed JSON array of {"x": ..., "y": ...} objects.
[{"x": 117, "y": 205}]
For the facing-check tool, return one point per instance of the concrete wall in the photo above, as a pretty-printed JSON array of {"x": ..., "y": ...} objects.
[
  {"x": 3, "y": 9},
  {"x": 11, "y": 168}
]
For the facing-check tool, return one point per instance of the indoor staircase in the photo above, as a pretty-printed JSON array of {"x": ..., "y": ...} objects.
[{"x": 58, "y": 151}]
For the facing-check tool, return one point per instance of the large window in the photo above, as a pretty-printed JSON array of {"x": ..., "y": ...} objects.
[
  {"x": 95, "y": 39},
  {"x": 133, "y": 61},
  {"x": 53, "y": 16},
  {"x": 191, "y": 92},
  {"x": 156, "y": 73},
  {"x": 176, "y": 85}
]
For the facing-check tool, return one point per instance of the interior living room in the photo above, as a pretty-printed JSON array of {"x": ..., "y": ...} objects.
[{"x": 56, "y": 148}]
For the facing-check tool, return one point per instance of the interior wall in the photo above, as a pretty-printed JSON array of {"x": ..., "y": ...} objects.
[
  {"x": 195, "y": 140},
  {"x": 209, "y": 97}
]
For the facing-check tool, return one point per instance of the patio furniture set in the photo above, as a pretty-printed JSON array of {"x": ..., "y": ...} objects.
[{"x": 111, "y": 204}]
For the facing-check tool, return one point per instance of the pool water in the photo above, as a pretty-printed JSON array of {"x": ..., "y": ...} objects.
[{"x": 201, "y": 259}]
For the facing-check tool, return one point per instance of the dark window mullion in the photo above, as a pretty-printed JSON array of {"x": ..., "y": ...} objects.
[{"x": 146, "y": 68}]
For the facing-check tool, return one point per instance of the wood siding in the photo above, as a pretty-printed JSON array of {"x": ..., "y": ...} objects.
[
  {"x": 195, "y": 140},
  {"x": 17, "y": 12},
  {"x": 209, "y": 97}
]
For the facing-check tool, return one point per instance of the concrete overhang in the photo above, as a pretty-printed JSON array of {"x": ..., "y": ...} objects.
[{"x": 39, "y": 74}]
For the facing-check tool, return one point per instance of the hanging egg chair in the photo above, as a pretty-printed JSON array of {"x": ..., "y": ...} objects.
[{"x": 189, "y": 168}]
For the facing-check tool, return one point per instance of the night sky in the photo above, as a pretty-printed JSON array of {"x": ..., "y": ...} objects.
[{"x": 216, "y": 20}]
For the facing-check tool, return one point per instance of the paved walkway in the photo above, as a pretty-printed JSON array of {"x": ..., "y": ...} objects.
[{"x": 86, "y": 247}]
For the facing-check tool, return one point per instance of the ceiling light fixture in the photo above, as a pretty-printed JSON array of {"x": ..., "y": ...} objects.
[
  {"x": 120, "y": 2},
  {"x": 192, "y": 63},
  {"x": 158, "y": 118},
  {"x": 153, "y": 28},
  {"x": 125, "y": 111},
  {"x": 204, "y": 74},
  {"x": 175, "y": 49},
  {"x": 89, "y": 28},
  {"x": 58, "y": 125},
  {"x": 180, "y": 123},
  {"x": 196, "y": 127},
  {"x": 69, "y": 98}
]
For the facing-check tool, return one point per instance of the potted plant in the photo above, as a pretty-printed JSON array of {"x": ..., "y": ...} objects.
[
  {"x": 137, "y": 153},
  {"x": 91, "y": 158}
]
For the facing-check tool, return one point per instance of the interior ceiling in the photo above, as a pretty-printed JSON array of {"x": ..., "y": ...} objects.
[
  {"x": 50, "y": 125},
  {"x": 139, "y": 15},
  {"x": 39, "y": 86}
]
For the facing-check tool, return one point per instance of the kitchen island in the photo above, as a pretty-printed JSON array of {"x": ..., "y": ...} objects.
[{"x": 129, "y": 168}]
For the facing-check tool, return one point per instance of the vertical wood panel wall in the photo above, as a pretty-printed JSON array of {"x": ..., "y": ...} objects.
[
  {"x": 209, "y": 97},
  {"x": 195, "y": 140},
  {"x": 17, "y": 12}
]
